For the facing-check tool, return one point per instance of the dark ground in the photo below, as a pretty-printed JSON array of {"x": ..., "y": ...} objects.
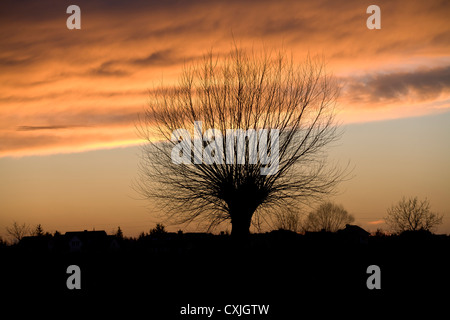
[{"x": 296, "y": 275}]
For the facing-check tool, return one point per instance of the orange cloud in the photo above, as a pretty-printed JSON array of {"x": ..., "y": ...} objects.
[
  {"x": 376, "y": 222},
  {"x": 89, "y": 84}
]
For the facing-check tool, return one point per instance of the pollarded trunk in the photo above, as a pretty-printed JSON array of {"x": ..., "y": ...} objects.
[{"x": 240, "y": 225}]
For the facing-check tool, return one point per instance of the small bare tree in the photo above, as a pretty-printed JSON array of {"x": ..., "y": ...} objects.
[
  {"x": 412, "y": 215},
  {"x": 288, "y": 220},
  {"x": 247, "y": 93},
  {"x": 17, "y": 232},
  {"x": 328, "y": 217}
]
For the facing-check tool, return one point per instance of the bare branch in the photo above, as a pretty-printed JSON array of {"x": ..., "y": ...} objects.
[{"x": 249, "y": 93}]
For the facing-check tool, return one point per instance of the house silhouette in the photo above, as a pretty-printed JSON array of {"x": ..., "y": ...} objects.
[
  {"x": 87, "y": 240},
  {"x": 355, "y": 234}
]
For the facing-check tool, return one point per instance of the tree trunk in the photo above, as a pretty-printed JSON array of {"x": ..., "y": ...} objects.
[{"x": 240, "y": 226}]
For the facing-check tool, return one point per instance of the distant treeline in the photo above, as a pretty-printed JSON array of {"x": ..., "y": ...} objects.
[{"x": 159, "y": 241}]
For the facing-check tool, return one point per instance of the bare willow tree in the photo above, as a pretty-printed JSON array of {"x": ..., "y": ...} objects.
[
  {"x": 236, "y": 97},
  {"x": 328, "y": 217},
  {"x": 412, "y": 215}
]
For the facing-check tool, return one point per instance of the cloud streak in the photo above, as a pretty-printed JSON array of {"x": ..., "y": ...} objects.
[{"x": 34, "y": 128}]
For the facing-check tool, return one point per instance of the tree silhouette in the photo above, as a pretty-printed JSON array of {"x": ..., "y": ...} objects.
[
  {"x": 158, "y": 230},
  {"x": 119, "y": 233},
  {"x": 412, "y": 215},
  {"x": 38, "y": 231},
  {"x": 17, "y": 232},
  {"x": 288, "y": 220},
  {"x": 247, "y": 92},
  {"x": 3, "y": 243},
  {"x": 328, "y": 217}
]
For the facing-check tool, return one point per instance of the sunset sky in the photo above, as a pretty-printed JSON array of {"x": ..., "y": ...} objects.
[{"x": 69, "y": 99}]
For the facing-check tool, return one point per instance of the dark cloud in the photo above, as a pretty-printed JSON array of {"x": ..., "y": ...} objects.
[
  {"x": 193, "y": 25},
  {"x": 162, "y": 57},
  {"x": 97, "y": 77},
  {"x": 441, "y": 38},
  {"x": 423, "y": 84},
  {"x": 275, "y": 26},
  {"x": 73, "y": 94},
  {"x": 92, "y": 117},
  {"x": 14, "y": 142},
  {"x": 32, "y": 11},
  {"x": 165, "y": 57},
  {"x": 9, "y": 62},
  {"x": 107, "y": 69},
  {"x": 34, "y": 128},
  {"x": 80, "y": 119}
]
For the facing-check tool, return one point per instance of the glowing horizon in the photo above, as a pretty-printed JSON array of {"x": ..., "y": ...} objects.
[{"x": 69, "y": 99}]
